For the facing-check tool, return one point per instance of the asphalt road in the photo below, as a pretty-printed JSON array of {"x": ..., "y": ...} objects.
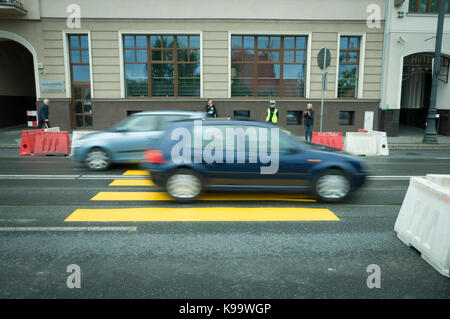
[{"x": 214, "y": 259}]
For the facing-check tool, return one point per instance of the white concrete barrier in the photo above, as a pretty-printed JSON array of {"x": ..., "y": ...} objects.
[
  {"x": 441, "y": 180},
  {"x": 51, "y": 129},
  {"x": 382, "y": 143},
  {"x": 424, "y": 222},
  {"x": 357, "y": 143},
  {"x": 76, "y": 135}
]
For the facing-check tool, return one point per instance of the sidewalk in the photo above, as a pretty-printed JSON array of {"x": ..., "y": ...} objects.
[{"x": 410, "y": 138}]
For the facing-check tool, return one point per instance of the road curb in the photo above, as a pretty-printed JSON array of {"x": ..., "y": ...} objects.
[
  {"x": 8, "y": 145},
  {"x": 419, "y": 146}
]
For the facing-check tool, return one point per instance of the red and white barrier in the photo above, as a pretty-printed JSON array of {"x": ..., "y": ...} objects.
[
  {"x": 330, "y": 139},
  {"x": 32, "y": 123}
]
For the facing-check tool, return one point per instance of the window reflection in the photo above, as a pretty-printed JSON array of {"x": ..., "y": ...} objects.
[
  {"x": 167, "y": 54},
  {"x": 348, "y": 66},
  {"x": 136, "y": 77},
  {"x": 279, "y": 66},
  {"x": 80, "y": 73},
  {"x": 162, "y": 80}
]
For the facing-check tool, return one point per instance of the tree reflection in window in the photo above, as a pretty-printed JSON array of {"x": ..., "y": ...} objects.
[
  {"x": 268, "y": 65},
  {"x": 172, "y": 61}
]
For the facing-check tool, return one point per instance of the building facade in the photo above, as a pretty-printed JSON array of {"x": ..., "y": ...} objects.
[
  {"x": 122, "y": 57},
  {"x": 410, "y": 44}
]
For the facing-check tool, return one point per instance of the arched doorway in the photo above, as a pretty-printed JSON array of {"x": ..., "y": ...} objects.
[
  {"x": 416, "y": 89},
  {"x": 18, "y": 80}
]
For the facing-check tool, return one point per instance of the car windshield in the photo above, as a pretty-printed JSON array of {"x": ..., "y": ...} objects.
[
  {"x": 122, "y": 123},
  {"x": 149, "y": 122}
]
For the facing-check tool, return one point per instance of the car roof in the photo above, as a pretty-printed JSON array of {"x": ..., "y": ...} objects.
[
  {"x": 227, "y": 121},
  {"x": 169, "y": 112}
]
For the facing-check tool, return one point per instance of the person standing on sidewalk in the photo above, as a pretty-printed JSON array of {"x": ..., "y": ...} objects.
[
  {"x": 309, "y": 122},
  {"x": 272, "y": 113},
  {"x": 43, "y": 115},
  {"x": 210, "y": 109}
]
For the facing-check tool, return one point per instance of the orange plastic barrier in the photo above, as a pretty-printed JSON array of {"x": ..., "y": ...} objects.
[
  {"x": 28, "y": 140},
  {"x": 330, "y": 139},
  {"x": 52, "y": 143}
]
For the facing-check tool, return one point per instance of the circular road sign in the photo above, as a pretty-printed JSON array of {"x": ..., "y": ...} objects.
[{"x": 320, "y": 58}]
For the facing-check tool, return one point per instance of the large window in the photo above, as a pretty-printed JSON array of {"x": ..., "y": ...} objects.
[
  {"x": 80, "y": 81},
  {"x": 348, "y": 66},
  {"x": 268, "y": 65},
  {"x": 162, "y": 65},
  {"x": 426, "y": 6},
  {"x": 79, "y": 58}
]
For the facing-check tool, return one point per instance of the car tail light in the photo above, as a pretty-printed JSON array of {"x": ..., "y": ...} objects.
[{"x": 154, "y": 156}]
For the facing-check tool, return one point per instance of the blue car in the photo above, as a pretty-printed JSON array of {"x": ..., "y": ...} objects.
[
  {"x": 127, "y": 141},
  {"x": 224, "y": 154}
]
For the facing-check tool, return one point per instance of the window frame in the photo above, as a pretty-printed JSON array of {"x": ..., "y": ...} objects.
[
  {"x": 416, "y": 7},
  {"x": 352, "y": 117},
  {"x": 307, "y": 68},
  {"x": 67, "y": 63},
  {"x": 122, "y": 33},
  {"x": 362, "y": 59},
  {"x": 301, "y": 121}
]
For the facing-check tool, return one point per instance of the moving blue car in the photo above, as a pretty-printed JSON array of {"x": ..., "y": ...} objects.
[
  {"x": 127, "y": 141},
  {"x": 223, "y": 154}
]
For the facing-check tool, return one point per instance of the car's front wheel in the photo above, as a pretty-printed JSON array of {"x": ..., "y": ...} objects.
[
  {"x": 97, "y": 159},
  {"x": 184, "y": 185},
  {"x": 331, "y": 185}
]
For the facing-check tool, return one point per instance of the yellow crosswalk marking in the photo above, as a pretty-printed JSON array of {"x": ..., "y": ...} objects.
[
  {"x": 136, "y": 173},
  {"x": 202, "y": 214},
  {"x": 131, "y": 182},
  {"x": 197, "y": 214},
  {"x": 160, "y": 196}
]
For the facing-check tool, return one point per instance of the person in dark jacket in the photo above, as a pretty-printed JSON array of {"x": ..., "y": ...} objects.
[
  {"x": 210, "y": 109},
  {"x": 309, "y": 122},
  {"x": 43, "y": 114}
]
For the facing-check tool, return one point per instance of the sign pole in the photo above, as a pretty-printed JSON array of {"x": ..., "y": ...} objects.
[
  {"x": 323, "y": 88},
  {"x": 430, "y": 135},
  {"x": 323, "y": 60}
]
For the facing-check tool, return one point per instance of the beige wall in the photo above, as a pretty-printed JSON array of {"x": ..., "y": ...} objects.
[
  {"x": 219, "y": 19},
  {"x": 215, "y": 35},
  {"x": 215, "y": 9}
]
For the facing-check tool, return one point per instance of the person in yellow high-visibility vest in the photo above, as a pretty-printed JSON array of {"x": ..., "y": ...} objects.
[{"x": 272, "y": 113}]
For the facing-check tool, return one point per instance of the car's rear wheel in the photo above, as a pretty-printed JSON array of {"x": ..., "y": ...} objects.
[
  {"x": 332, "y": 186},
  {"x": 184, "y": 185},
  {"x": 97, "y": 159}
]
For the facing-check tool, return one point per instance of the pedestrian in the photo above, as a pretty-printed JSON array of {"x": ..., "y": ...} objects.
[
  {"x": 43, "y": 115},
  {"x": 272, "y": 113},
  {"x": 309, "y": 122},
  {"x": 210, "y": 109}
]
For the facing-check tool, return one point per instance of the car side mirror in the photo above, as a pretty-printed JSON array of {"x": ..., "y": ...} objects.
[{"x": 121, "y": 129}]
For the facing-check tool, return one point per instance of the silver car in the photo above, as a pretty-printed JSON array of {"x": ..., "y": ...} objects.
[{"x": 127, "y": 141}]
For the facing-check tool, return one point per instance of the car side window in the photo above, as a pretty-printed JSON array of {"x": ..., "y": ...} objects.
[
  {"x": 142, "y": 123},
  {"x": 252, "y": 138},
  {"x": 165, "y": 120},
  {"x": 219, "y": 133},
  {"x": 285, "y": 145}
]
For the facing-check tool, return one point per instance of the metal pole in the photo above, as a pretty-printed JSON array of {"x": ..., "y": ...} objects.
[
  {"x": 323, "y": 87},
  {"x": 430, "y": 130}
]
